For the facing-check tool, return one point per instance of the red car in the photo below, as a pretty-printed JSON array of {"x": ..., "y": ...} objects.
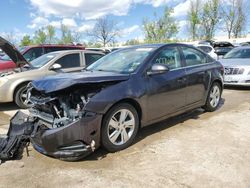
[{"x": 32, "y": 52}]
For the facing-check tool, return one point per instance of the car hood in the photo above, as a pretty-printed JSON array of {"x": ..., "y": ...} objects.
[
  {"x": 62, "y": 81},
  {"x": 12, "y": 52},
  {"x": 235, "y": 62}
]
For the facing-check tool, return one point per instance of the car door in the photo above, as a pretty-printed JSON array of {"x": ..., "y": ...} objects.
[
  {"x": 198, "y": 75},
  {"x": 166, "y": 91},
  {"x": 70, "y": 62},
  {"x": 91, "y": 58}
]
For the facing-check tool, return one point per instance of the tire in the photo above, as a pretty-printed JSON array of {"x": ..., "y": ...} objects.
[
  {"x": 117, "y": 132},
  {"x": 213, "y": 98},
  {"x": 19, "y": 98}
]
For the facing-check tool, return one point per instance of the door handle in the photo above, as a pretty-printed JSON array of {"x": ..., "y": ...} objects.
[{"x": 182, "y": 80}]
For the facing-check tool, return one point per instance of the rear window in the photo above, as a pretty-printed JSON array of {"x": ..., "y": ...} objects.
[
  {"x": 206, "y": 49},
  {"x": 91, "y": 58},
  {"x": 238, "y": 53},
  {"x": 69, "y": 61}
]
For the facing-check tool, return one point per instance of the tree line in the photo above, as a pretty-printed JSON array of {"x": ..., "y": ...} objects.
[{"x": 203, "y": 20}]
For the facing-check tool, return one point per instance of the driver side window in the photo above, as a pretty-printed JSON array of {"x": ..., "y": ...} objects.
[{"x": 169, "y": 57}]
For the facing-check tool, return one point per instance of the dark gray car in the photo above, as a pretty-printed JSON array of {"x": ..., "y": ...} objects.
[{"x": 74, "y": 114}]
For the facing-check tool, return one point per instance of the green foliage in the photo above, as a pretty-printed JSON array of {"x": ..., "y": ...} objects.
[
  {"x": 26, "y": 41},
  {"x": 93, "y": 45},
  {"x": 66, "y": 35},
  {"x": 209, "y": 18},
  {"x": 40, "y": 36},
  {"x": 160, "y": 29},
  {"x": 51, "y": 34},
  {"x": 193, "y": 18},
  {"x": 132, "y": 42}
]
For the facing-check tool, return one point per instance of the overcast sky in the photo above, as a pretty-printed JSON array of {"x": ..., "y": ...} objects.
[{"x": 25, "y": 16}]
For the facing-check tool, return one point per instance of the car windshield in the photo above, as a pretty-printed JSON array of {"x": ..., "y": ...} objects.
[
  {"x": 238, "y": 53},
  {"x": 20, "y": 49},
  {"x": 43, "y": 60},
  {"x": 123, "y": 61}
]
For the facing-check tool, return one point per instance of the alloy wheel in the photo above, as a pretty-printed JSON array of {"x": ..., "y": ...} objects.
[
  {"x": 214, "y": 96},
  {"x": 121, "y": 127}
]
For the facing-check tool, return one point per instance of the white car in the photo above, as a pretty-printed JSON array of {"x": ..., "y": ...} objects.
[
  {"x": 208, "y": 49},
  {"x": 237, "y": 66}
]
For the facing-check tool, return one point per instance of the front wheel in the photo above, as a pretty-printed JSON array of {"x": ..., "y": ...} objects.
[
  {"x": 214, "y": 97},
  {"x": 119, "y": 128},
  {"x": 20, "y": 97}
]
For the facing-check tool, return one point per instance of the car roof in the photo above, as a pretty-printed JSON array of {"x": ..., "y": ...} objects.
[
  {"x": 156, "y": 46},
  {"x": 73, "y": 51},
  {"x": 55, "y": 45}
]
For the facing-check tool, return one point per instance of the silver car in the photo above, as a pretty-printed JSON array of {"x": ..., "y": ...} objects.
[
  {"x": 237, "y": 66},
  {"x": 13, "y": 85}
]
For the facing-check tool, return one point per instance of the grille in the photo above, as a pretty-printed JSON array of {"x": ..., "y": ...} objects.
[{"x": 234, "y": 71}]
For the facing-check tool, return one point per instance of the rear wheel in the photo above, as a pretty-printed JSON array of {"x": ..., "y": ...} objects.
[
  {"x": 214, "y": 97},
  {"x": 20, "y": 97},
  {"x": 119, "y": 128}
]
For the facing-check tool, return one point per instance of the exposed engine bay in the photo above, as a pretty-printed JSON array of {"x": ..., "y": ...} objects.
[
  {"x": 58, "y": 124},
  {"x": 61, "y": 108}
]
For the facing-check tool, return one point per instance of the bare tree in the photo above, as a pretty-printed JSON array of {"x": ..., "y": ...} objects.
[
  {"x": 210, "y": 18},
  {"x": 194, "y": 18},
  {"x": 234, "y": 17},
  {"x": 10, "y": 36},
  {"x": 105, "y": 31}
]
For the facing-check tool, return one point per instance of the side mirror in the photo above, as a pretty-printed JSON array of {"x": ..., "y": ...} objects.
[
  {"x": 158, "y": 69},
  {"x": 55, "y": 67}
]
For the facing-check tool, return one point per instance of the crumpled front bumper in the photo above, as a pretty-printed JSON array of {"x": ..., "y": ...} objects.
[{"x": 71, "y": 142}]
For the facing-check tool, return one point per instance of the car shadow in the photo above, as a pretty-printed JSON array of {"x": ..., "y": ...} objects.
[
  {"x": 8, "y": 106},
  {"x": 237, "y": 87},
  {"x": 152, "y": 129}
]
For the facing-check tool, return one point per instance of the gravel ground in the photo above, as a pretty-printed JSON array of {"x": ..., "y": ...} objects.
[{"x": 192, "y": 150}]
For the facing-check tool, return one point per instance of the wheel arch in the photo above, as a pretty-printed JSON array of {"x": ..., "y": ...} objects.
[
  {"x": 218, "y": 81},
  {"x": 133, "y": 103},
  {"x": 18, "y": 86}
]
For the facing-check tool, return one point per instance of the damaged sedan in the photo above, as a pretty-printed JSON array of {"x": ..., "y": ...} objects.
[{"x": 106, "y": 104}]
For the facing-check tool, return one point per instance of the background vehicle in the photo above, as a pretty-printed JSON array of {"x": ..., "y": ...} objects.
[
  {"x": 1, "y": 53},
  {"x": 245, "y": 44},
  {"x": 208, "y": 49},
  {"x": 32, "y": 52},
  {"x": 103, "y": 50},
  {"x": 237, "y": 66},
  {"x": 206, "y": 42},
  {"x": 132, "y": 87},
  {"x": 13, "y": 85},
  {"x": 222, "y": 48}
]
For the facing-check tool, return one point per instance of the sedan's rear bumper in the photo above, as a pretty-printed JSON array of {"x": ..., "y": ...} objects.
[
  {"x": 71, "y": 142},
  {"x": 236, "y": 84}
]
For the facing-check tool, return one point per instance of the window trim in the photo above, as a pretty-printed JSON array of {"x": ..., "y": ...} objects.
[
  {"x": 184, "y": 59},
  {"x": 169, "y": 47},
  {"x": 85, "y": 60}
]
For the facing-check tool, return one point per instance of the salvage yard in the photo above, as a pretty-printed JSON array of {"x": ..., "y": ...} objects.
[{"x": 192, "y": 150}]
